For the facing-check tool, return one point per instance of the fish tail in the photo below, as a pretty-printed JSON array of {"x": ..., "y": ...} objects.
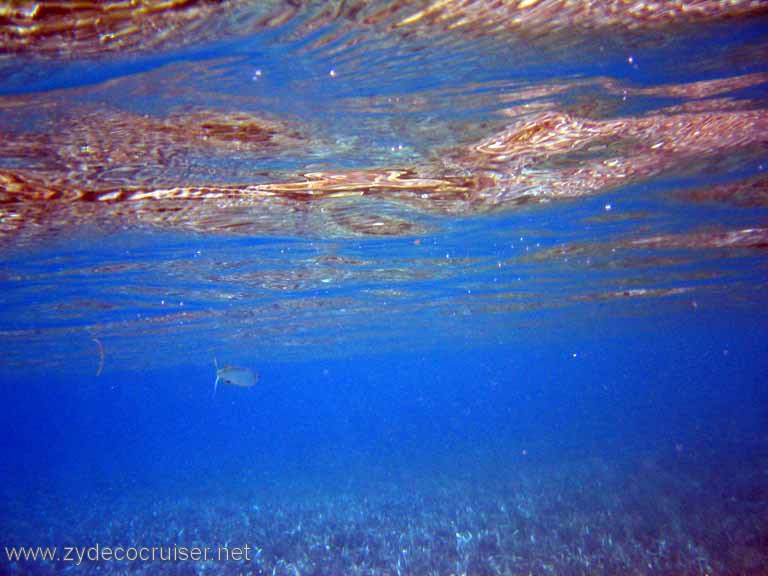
[{"x": 216, "y": 382}]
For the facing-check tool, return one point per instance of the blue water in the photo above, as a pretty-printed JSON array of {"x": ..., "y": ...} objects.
[{"x": 575, "y": 386}]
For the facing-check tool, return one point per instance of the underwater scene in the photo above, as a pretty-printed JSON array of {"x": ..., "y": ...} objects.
[{"x": 389, "y": 287}]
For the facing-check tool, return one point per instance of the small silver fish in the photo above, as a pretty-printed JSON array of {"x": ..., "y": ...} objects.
[{"x": 234, "y": 376}]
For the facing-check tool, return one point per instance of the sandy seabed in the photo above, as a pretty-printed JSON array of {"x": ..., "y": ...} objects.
[{"x": 677, "y": 515}]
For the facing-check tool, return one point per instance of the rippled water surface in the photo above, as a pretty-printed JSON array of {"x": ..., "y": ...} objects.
[{"x": 501, "y": 267}]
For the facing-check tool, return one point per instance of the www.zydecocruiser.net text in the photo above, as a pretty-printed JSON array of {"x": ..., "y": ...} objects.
[{"x": 97, "y": 553}]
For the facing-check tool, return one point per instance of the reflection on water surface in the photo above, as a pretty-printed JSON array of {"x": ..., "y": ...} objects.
[{"x": 475, "y": 159}]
